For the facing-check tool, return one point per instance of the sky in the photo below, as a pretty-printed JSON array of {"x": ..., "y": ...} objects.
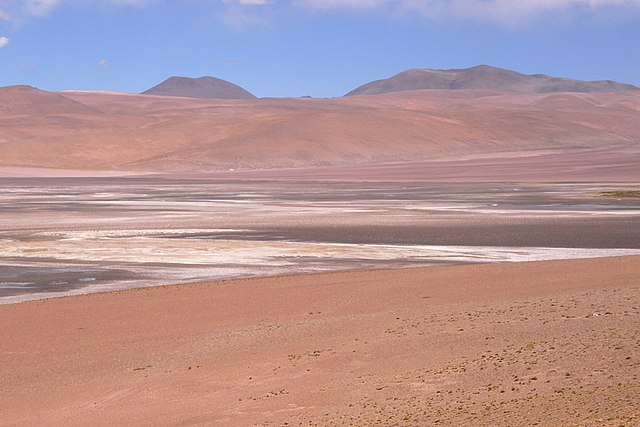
[{"x": 320, "y": 48}]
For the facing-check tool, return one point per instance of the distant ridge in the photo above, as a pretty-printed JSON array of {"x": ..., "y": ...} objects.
[
  {"x": 99, "y": 131},
  {"x": 27, "y": 100},
  {"x": 203, "y": 88},
  {"x": 487, "y": 78}
]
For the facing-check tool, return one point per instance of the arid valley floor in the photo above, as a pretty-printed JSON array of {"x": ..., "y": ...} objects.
[
  {"x": 542, "y": 343},
  {"x": 438, "y": 325}
]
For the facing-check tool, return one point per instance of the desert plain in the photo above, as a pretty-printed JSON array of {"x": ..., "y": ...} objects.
[{"x": 414, "y": 258}]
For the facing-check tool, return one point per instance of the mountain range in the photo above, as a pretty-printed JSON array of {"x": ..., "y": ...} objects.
[
  {"x": 119, "y": 132},
  {"x": 484, "y": 77},
  {"x": 481, "y": 77}
]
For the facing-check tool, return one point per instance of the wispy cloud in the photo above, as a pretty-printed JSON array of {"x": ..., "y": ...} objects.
[
  {"x": 248, "y": 2},
  {"x": 342, "y": 4},
  {"x": 3, "y": 42},
  {"x": 509, "y": 12},
  {"x": 242, "y": 15},
  {"x": 240, "y": 19},
  {"x": 20, "y": 11},
  {"x": 134, "y": 3},
  {"x": 103, "y": 63},
  {"x": 247, "y": 14},
  {"x": 40, "y": 8}
]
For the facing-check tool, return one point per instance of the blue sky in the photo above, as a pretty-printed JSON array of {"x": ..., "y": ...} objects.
[{"x": 322, "y": 48}]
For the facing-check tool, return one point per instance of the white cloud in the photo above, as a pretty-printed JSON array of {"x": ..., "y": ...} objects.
[
  {"x": 502, "y": 11},
  {"x": 103, "y": 63},
  {"x": 3, "y": 42},
  {"x": 242, "y": 14},
  {"x": 508, "y": 11}
]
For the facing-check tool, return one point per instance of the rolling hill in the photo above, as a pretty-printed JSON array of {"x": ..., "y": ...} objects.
[{"x": 595, "y": 133}]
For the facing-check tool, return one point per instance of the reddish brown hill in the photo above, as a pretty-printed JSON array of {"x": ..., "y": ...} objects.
[
  {"x": 122, "y": 132},
  {"x": 27, "y": 100}
]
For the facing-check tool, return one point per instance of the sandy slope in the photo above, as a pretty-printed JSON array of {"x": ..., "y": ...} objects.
[
  {"x": 552, "y": 343},
  {"x": 617, "y": 164},
  {"x": 107, "y": 131}
]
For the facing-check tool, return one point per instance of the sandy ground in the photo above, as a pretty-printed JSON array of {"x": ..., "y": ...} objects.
[
  {"x": 544, "y": 343},
  {"x": 613, "y": 164},
  {"x": 576, "y": 165}
]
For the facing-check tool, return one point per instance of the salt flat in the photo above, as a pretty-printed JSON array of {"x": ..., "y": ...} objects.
[{"x": 78, "y": 235}]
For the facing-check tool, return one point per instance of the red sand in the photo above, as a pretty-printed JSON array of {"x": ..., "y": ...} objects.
[{"x": 553, "y": 343}]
